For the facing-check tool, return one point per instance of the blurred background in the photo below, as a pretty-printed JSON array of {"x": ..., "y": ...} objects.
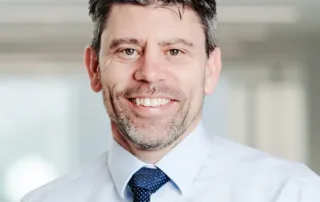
[{"x": 51, "y": 122}]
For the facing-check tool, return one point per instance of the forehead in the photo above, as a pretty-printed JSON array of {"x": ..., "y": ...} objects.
[{"x": 153, "y": 23}]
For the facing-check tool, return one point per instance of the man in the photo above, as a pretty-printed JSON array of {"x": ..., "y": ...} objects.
[{"x": 154, "y": 62}]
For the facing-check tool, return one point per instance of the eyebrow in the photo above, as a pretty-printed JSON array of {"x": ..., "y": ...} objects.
[
  {"x": 119, "y": 41},
  {"x": 176, "y": 41},
  {"x": 116, "y": 42}
]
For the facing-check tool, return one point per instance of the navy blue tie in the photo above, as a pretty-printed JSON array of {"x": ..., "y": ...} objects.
[{"x": 145, "y": 182}]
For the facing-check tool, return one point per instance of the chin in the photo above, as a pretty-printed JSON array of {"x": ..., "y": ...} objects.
[{"x": 154, "y": 138}]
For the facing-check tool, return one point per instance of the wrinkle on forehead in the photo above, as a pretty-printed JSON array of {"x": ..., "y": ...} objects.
[{"x": 145, "y": 23}]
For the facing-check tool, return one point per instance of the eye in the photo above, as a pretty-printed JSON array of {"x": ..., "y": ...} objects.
[
  {"x": 128, "y": 51},
  {"x": 128, "y": 54},
  {"x": 174, "y": 52}
]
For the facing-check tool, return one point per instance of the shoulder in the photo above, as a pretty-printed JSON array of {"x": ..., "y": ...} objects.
[
  {"x": 303, "y": 189},
  {"x": 249, "y": 163},
  {"x": 254, "y": 174},
  {"x": 76, "y": 181}
]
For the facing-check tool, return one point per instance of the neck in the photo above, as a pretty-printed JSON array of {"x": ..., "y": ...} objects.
[{"x": 149, "y": 157}]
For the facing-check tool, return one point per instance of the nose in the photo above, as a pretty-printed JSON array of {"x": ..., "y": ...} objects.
[{"x": 150, "y": 70}]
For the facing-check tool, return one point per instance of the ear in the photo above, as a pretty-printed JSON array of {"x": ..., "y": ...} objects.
[
  {"x": 213, "y": 68},
  {"x": 92, "y": 65}
]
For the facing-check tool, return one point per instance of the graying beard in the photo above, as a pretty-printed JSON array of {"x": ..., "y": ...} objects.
[{"x": 124, "y": 126}]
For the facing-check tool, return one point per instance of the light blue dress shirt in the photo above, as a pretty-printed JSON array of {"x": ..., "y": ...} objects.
[{"x": 201, "y": 169}]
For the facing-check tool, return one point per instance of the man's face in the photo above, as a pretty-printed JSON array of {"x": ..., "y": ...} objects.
[{"x": 154, "y": 73}]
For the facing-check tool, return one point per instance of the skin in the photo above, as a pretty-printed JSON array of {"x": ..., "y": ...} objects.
[{"x": 149, "y": 52}]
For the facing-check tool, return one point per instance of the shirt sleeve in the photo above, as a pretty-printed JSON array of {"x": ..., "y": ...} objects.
[
  {"x": 301, "y": 190},
  {"x": 310, "y": 191},
  {"x": 24, "y": 199}
]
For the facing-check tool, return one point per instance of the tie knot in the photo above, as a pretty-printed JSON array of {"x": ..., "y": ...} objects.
[{"x": 148, "y": 179}]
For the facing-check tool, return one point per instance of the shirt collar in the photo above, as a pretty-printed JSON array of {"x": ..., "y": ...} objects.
[
  {"x": 122, "y": 165},
  {"x": 181, "y": 164},
  {"x": 185, "y": 160}
]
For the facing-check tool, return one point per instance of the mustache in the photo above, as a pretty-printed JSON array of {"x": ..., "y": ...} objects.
[{"x": 151, "y": 89}]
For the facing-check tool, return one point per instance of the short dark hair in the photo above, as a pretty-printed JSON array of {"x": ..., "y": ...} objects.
[{"x": 99, "y": 10}]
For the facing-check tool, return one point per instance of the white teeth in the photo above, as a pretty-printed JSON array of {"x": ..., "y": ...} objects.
[
  {"x": 151, "y": 102},
  {"x": 146, "y": 102},
  {"x": 154, "y": 102}
]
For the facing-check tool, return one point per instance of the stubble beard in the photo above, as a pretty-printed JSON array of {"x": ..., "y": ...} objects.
[{"x": 149, "y": 135}]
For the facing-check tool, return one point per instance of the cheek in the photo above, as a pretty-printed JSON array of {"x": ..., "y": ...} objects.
[
  {"x": 111, "y": 104},
  {"x": 194, "y": 88},
  {"x": 107, "y": 101},
  {"x": 114, "y": 79},
  {"x": 194, "y": 92},
  {"x": 116, "y": 75},
  {"x": 191, "y": 78}
]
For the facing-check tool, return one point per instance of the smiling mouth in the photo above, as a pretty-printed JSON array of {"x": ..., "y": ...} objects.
[{"x": 150, "y": 102}]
